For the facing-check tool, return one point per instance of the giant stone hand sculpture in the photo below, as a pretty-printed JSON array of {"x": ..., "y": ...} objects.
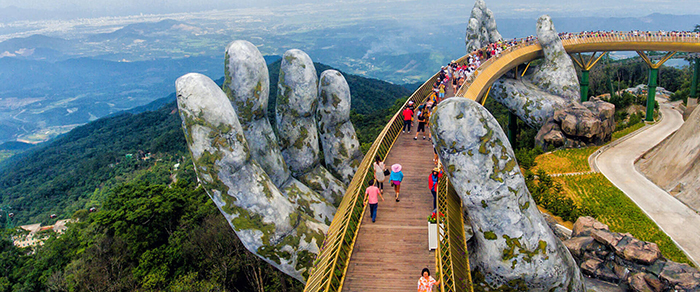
[
  {"x": 481, "y": 28},
  {"x": 513, "y": 248},
  {"x": 274, "y": 193}
]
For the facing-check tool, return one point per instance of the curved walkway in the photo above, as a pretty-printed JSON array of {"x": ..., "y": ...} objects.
[{"x": 672, "y": 216}]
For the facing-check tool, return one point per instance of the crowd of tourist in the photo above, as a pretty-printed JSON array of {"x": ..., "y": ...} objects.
[
  {"x": 628, "y": 34},
  {"x": 459, "y": 72}
]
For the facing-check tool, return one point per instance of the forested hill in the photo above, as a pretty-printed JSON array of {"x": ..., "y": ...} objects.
[{"x": 76, "y": 170}]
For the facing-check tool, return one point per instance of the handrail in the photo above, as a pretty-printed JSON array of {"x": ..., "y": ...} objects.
[
  {"x": 451, "y": 256},
  {"x": 330, "y": 267}
]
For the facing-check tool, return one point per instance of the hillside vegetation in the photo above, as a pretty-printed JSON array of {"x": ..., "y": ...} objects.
[{"x": 76, "y": 170}]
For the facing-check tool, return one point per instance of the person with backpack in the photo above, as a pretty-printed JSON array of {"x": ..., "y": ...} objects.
[
  {"x": 421, "y": 121},
  {"x": 380, "y": 173}
]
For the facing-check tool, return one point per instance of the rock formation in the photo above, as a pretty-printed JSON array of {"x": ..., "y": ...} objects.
[
  {"x": 338, "y": 136},
  {"x": 297, "y": 99},
  {"x": 239, "y": 162},
  {"x": 513, "y": 247},
  {"x": 481, "y": 28},
  {"x": 578, "y": 125},
  {"x": 548, "y": 98},
  {"x": 621, "y": 258},
  {"x": 674, "y": 165}
]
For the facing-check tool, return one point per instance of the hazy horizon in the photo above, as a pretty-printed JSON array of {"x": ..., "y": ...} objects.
[{"x": 67, "y": 9}]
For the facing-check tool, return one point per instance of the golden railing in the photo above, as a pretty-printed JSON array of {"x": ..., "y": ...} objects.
[
  {"x": 330, "y": 267},
  {"x": 451, "y": 256}
]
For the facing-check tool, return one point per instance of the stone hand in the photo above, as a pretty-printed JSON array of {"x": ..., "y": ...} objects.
[
  {"x": 551, "y": 86},
  {"x": 513, "y": 248},
  {"x": 270, "y": 184}
]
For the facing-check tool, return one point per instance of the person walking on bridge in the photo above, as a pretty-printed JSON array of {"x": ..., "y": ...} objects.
[
  {"x": 433, "y": 180},
  {"x": 372, "y": 195},
  {"x": 380, "y": 173},
  {"x": 396, "y": 177},
  {"x": 422, "y": 119},
  {"x": 407, "y": 119}
]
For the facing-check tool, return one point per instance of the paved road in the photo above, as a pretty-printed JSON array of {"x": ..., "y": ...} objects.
[{"x": 674, "y": 218}]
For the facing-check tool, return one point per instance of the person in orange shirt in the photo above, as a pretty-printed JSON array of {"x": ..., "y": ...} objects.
[{"x": 426, "y": 282}]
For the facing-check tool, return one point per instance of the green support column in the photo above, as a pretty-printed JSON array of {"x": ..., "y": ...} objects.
[
  {"x": 584, "y": 85},
  {"x": 694, "y": 82},
  {"x": 651, "y": 93},
  {"x": 512, "y": 128}
]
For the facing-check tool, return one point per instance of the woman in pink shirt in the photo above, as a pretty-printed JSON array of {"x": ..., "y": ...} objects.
[{"x": 372, "y": 195}]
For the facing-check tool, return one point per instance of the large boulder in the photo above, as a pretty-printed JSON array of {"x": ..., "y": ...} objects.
[
  {"x": 481, "y": 27},
  {"x": 578, "y": 125},
  {"x": 511, "y": 238},
  {"x": 619, "y": 257},
  {"x": 681, "y": 277}
]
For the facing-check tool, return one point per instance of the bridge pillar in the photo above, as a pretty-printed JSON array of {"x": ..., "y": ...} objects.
[
  {"x": 584, "y": 85},
  {"x": 586, "y": 66},
  {"x": 651, "y": 93},
  {"x": 653, "y": 77},
  {"x": 694, "y": 82},
  {"x": 512, "y": 128}
]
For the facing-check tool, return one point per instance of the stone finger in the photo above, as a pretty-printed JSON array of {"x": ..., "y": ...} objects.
[
  {"x": 246, "y": 85},
  {"x": 297, "y": 93},
  {"x": 341, "y": 149}
]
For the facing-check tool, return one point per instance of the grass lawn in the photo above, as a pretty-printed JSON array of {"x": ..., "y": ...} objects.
[
  {"x": 621, "y": 133},
  {"x": 611, "y": 206},
  {"x": 565, "y": 160},
  {"x": 576, "y": 159}
]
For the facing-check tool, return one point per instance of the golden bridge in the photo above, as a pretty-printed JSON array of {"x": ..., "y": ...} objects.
[{"x": 358, "y": 255}]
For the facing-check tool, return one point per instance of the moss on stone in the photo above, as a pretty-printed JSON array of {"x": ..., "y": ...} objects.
[
  {"x": 336, "y": 100},
  {"x": 516, "y": 249},
  {"x": 490, "y": 235}
]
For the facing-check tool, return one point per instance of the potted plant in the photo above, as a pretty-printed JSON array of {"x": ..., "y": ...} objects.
[{"x": 433, "y": 229}]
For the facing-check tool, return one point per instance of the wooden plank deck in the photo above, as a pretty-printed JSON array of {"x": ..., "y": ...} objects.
[{"x": 390, "y": 253}]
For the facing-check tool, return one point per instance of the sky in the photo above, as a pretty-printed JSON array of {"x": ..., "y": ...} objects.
[{"x": 503, "y": 8}]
